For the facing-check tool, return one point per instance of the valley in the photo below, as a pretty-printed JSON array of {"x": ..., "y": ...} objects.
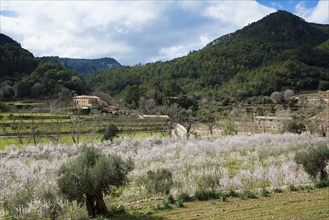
[{"x": 236, "y": 130}]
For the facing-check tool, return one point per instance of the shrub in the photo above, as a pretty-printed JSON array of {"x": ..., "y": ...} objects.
[
  {"x": 205, "y": 195},
  {"x": 295, "y": 127},
  {"x": 53, "y": 210},
  {"x": 184, "y": 197},
  {"x": 209, "y": 195},
  {"x": 117, "y": 210},
  {"x": 230, "y": 128},
  {"x": 88, "y": 177},
  {"x": 277, "y": 190},
  {"x": 24, "y": 205},
  {"x": 159, "y": 181},
  {"x": 208, "y": 182},
  {"x": 247, "y": 194},
  {"x": 306, "y": 187},
  {"x": 111, "y": 132},
  {"x": 15, "y": 206},
  {"x": 314, "y": 160},
  {"x": 170, "y": 199},
  {"x": 264, "y": 192},
  {"x": 232, "y": 194},
  {"x": 179, "y": 203},
  {"x": 322, "y": 184},
  {"x": 293, "y": 188},
  {"x": 164, "y": 206}
]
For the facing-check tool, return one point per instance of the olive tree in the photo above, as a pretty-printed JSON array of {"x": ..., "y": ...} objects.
[
  {"x": 111, "y": 132},
  {"x": 90, "y": 176},
  {"x": 159, "y": 181},
  {"x": 277, "y": 97},
  {"x": 314, "y": 160}
]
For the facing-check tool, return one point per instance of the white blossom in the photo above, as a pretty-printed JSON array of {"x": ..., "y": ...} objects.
[{"x": 234, "y": 162}]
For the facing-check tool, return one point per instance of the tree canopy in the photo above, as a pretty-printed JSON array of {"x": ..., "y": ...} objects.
[{"x": 90, "y": 176}]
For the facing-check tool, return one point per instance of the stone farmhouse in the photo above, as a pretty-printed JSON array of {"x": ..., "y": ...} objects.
[
  {"x": 93, "y": 102},
  {"x": 271, "y": 123},
  {"x": 314, "y": 97}
]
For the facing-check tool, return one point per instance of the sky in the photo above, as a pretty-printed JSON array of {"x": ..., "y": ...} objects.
[{"x": 137, "y": 32}]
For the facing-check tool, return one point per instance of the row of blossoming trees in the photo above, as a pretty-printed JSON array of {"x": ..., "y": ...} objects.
[{"x": 29, "y": 177}]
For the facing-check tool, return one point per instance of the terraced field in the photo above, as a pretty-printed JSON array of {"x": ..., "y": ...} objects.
[{"x": 33, "y": 128}]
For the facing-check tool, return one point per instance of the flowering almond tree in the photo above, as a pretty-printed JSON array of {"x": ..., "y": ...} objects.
[{"x": 220, "y": 163}]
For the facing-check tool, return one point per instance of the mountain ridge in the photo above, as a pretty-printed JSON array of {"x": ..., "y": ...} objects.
[
  {"x": 83, "y": 66},
  {"x": 209, "y": 71},
  {"x": 4, "y": 39},
  {"x": 280, "y": 19}
]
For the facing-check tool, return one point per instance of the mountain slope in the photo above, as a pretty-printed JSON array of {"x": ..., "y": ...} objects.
[
  {"x": 24, "y": 76},
  {"x": 15, "y": 61},
  {"x": 84, "y": 66},
  {"x": 303, "y": 68},
  {"x": 229, "y": 60},
  {"x": 283, "y": 28},
  {"x": 4, "y": 39}
]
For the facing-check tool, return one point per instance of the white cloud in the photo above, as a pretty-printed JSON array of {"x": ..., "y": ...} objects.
[
  {"x": 204, "y": 40},
  {"x": 319, "y": 14},
  {"x": 238, "y": 13},
  {"x": 302, "y": 10},
  {"x": 172, "y": 52},
  {"x": 276, "y": 5},
  {"x": 129, "y": 31}
]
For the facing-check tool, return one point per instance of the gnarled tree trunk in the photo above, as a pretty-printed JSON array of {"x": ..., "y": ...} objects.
[
  {"x": 323, "y": 174},
  {"x": 95, "y": 204}
]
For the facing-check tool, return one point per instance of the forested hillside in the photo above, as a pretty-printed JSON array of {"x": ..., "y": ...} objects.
[
  {"x": 280, "y": 51},
  {"x": 47, "y": 81},
  {"x": 15, "y": 61},
  {"x": 24, "y": 76},
  {"x": 84, "y": 66}
]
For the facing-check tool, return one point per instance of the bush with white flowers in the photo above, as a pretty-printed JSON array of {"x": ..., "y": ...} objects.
[{"x": 235, "y": 162}]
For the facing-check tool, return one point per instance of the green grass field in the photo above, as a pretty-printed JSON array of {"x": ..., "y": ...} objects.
[
  {"x": 16, "y": 127},
  {"x": 67, "y": 139},
  {"x": 306, "y": 205},
  {"x": 25, "y": 104}
]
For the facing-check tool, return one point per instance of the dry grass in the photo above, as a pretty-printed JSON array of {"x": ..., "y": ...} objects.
[{"x": 299, "y": 205}]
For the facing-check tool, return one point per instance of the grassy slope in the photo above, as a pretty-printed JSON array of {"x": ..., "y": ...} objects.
[{"x": 312, "y": 204}]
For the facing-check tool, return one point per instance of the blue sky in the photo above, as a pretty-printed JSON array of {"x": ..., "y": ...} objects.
[
  {"x": 135, "y": 32},
  {"x": 288, "y": 5},
  {"x": 8, "y": 13}
]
